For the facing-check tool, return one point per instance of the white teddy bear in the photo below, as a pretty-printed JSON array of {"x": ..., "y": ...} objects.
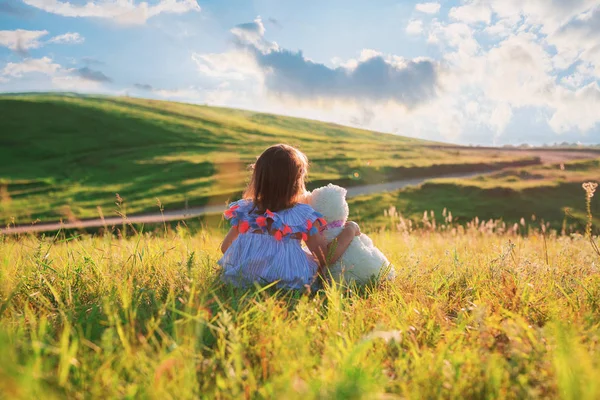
[{"x": 362, "y": 261}]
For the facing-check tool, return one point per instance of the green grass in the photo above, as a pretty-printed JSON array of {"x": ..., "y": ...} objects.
[
  {"x": 469, "y": 315},
  {"x": 536, "y": 194},
  {"x": 62, "y": 157}
]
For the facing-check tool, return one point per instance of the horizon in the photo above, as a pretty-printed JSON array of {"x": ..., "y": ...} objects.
[
  {"x": 473, "y": 72},
  {"x": 555, "y": 144}
]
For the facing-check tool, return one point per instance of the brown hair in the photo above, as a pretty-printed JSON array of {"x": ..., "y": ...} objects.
[{"x": 277, "y": 181}]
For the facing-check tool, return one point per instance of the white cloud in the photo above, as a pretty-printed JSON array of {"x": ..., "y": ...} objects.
[
  {"x": 252, "y": 33},
  {"x": 46, "y": 74},
  {"x": 472, "y": 12},
  {"x": 414, "y": 27},
  {"x": 70, "y": 37},
  {"x": 548, "y": 15},
  {"x": 500, "y": 60},
  {"x": 126, "y": 12},
  {"x": 428, "y": 8},
  {"x": 578, "y": 40},
  {"x": 42, "y": 65},
  {"x": 374, "y": 77},
  {"x": 21, "y": 40},
  {"x": 235, "y": 65},
  {"x": 576, "y": 110},
  {"x": 500, "y": 118},
  {"x": 517, "y": 72}
]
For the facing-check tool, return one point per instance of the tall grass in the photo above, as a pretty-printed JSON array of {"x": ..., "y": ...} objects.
[{"x": 471, "y": 314}]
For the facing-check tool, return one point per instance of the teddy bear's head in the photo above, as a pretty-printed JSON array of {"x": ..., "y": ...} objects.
[{"x": 330, "y": 201}]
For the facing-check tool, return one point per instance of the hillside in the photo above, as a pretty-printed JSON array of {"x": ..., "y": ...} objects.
[
  {"x": 63, "y": 157},
  {"x": 551, "y": 193}
]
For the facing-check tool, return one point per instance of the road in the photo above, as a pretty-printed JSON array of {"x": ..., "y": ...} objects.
[
  {"x": 547, "y": 157},
  {"x": 177, "y": 215}
]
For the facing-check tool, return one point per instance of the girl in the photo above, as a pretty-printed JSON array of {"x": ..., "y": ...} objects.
[{"x": 269, "y": 224}]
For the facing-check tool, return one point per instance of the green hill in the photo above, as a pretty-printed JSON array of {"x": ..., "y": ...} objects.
[{"x": 63, "y": 156}]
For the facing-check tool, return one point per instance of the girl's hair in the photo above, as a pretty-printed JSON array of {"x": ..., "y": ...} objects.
[{"x": 277, "y": 181}]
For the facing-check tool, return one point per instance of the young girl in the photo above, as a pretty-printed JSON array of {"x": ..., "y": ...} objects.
[{"x": 269, "y": 224}]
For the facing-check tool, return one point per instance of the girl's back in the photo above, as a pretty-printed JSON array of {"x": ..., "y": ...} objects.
[
  {"x": 269, "y": 246},
  {"x": 269, "y": 225}
]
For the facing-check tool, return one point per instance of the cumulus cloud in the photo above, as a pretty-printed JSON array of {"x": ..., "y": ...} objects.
[
  {"x": 472, "y": 12},
  {"x": 20, "y": 40},
  {"x": 43, "y": 65},
  {"x": 577, "y": 41},
  {"x": 414, "y": 27},
  {"x": 127, "y": 12},
  {"x": 500, "y": 61},
  {"x": 252, "y": 33},
  {"x": 491, "y": 82},
  {"x": 70, "y": 38},
  {"x": 231, "y": 65},
  {"x": 576, "y": 110},
  {"x": 45, "y": 74},
  {"x": 91, "y": 75},
  {"x": 374, "y": 77},
  {"x": 547, "y": 15},
  {"x": 428, "y": 8},
  {"x": 405, "y": 82}
]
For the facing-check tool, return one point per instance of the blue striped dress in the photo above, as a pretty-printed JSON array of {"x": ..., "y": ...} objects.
[{"x": 262, "y": 255}]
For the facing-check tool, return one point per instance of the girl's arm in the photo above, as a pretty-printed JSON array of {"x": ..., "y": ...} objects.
[
  {"x": 318, "y": 246},
  {"x": 229, "y": 238}
]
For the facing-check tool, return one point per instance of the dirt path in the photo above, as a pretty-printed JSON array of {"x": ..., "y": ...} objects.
[
  {"x": 546, "y": 157},
  {"x": 177, "y": 215}
]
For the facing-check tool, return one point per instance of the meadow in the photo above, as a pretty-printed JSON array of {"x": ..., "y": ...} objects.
[
  {"x": 496, "y": 294},
  {"x": 540, "y": 195},
  {"x": 79, "y": 151},
  {"x": 472, "y": 313}
]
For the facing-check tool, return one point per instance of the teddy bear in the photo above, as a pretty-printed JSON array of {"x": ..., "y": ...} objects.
[{"x": 362, "y": 262}]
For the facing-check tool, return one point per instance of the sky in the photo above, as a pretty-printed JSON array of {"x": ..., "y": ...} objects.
[{"x": 481, "y": 72}]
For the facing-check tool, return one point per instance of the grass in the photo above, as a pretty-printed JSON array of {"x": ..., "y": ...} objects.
[
  {"x": 471, "y": 314},
  {"x": 63, "y": 157},
  {"x": 478, "y": 309},
  {"x": 537, "y": 194}
]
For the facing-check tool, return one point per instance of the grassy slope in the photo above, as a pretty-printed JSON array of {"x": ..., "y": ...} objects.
[
  {"x": 468, "y": 316},
  {"x": 63, "y": 156},
  {"x": 543, "y": 191}
]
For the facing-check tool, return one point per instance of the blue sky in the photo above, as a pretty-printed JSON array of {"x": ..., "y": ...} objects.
[{"x": 469, "y": 72}]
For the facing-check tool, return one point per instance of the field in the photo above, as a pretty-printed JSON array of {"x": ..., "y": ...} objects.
[
  {"x": 540, "y": 195},
  {"x": 79, "y": 151},
  {"x": 471, "y": 314},
  {"x": 497, "y": 293}
]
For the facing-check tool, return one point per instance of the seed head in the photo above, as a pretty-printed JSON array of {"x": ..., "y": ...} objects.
[{"x": 590, "y": 188}]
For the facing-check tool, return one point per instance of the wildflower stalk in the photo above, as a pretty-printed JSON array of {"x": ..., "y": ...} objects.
[{"x": 590, "y": 188}]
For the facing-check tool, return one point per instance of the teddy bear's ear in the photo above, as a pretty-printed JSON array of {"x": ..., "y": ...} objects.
[{"x": 337, "y": 189}]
